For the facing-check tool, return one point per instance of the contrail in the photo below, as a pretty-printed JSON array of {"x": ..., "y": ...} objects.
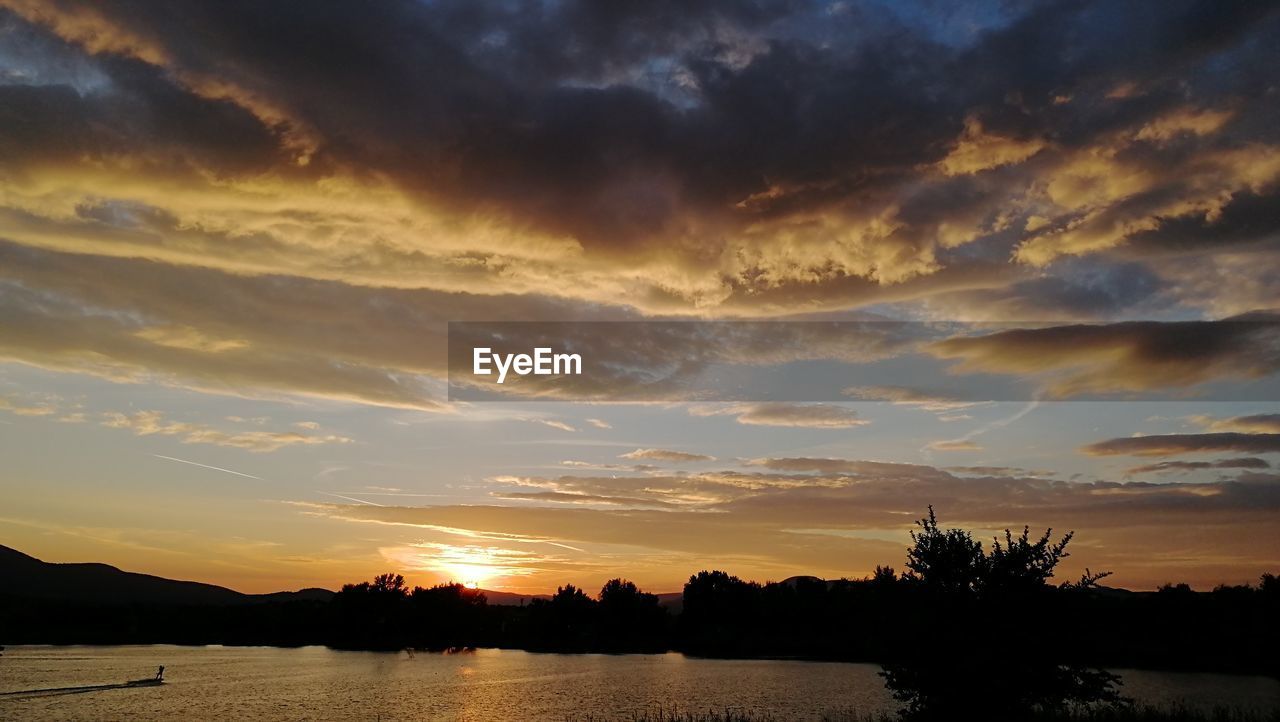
[
  {"x": 566, "y": 546},
  {"x": 206, "y": 466},
  {"x": 1001, "y": 423},
  {"x": 998, "y": 423},
  {"x": 349, "y": 498}
]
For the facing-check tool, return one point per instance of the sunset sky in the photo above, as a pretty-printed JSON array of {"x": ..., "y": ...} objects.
[{"x": 232, "y": 235}]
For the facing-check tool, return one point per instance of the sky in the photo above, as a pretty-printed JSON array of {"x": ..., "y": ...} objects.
[{"x": 1017, "y": 261}]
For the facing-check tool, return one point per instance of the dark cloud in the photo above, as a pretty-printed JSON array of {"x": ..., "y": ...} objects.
[
  {"x": 1177, "y": 444},
  {"x": 237, "y": 334},
  {"x": 137, "y": 113},
  {"x": 1246, "y": 217},
  {"x": 750, "y": 156},
  {"x": 1248, "y": 462},
  {"x": 1098, "y": 290},
  {"x": 343, "y": 178},
  {"x": 1124, "y": 357}
]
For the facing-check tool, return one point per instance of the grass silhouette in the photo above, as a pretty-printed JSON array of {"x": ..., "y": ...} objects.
[{"x": 1132, "y": 713}]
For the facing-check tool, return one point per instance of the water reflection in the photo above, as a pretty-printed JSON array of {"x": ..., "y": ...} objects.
[{"x": 318, "y": 683}]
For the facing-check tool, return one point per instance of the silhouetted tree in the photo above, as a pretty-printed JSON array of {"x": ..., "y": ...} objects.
[
  {"x": 571, "y": 600},
  {"x": 372, "y": 615},
  {"x": 720, "y": 614},
  {"x": 945, "y": 560},
  {"x": 390, "y": 584},
  {"x": 629, "y": 619},
  {"x": 1020, "y": 565},
  {"x": 564, "y": 623},
  {"x": 884, "y": 577},
  {"x": 448, "y": 616},
  {"x": 986, "y": 643}
]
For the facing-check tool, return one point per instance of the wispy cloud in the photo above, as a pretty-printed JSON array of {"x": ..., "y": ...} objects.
[
  {"x": 149, "y": 423},
  {"x": 731, "y": 514},
  {"x": 967, "y": 443},
  {"x": 954, "y": 445},
  {"x": 22, "y": 409},
  {"x": 778, "y": 413},
  {"x": 1254, "y": 424},
  {"x": 553, "y": 423},
  {"x": 665, "y": 455}
]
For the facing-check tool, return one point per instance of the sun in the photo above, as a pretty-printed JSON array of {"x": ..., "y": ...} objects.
[
  {"x": 471, "y": 565},
  {"x": 470, "y": 571}
]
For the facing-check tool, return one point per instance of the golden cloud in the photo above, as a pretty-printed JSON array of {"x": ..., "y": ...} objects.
[
  {"x": 977, "y": 150},
  {"x": 1256, "y": 423},
  {"x": 954, "y": 445},
  {"x": 665, "y": 455},
  {"x": 153, "y": 423},
  {"x": 780, "y": 413}
]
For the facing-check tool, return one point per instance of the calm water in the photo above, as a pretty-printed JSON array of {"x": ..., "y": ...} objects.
[{"x": 315, "y": 683}]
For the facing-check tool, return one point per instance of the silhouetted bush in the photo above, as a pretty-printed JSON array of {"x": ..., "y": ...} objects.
[{"x": 990, "y": 640}]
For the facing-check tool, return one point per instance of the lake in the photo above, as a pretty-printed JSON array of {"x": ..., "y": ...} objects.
[{"x": 317, "y": 683}]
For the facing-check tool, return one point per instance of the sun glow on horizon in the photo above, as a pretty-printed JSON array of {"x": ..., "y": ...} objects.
[{"x": 471, "y": 565}]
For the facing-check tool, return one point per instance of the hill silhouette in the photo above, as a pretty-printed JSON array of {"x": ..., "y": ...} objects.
[
  {"x": 27, "y": 576},
  {"x": 30, "y": 577}
]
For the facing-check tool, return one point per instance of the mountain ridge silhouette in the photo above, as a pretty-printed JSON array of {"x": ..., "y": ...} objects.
[{"x": 27, "y": 576}]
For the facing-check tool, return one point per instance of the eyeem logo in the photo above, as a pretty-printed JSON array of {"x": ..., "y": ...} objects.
[{"x": 543, "y": 362}]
